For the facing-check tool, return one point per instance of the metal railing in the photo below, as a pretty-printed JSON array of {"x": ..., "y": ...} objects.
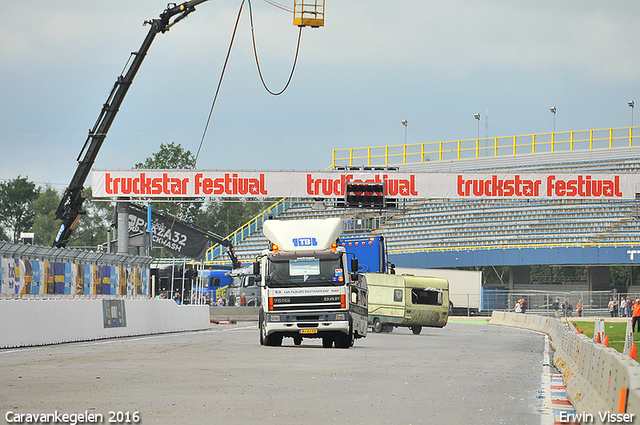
[{"x": 560, "y": 141}]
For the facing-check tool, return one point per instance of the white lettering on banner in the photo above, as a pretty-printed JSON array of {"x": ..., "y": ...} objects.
[{"x": 304, "y": 184}]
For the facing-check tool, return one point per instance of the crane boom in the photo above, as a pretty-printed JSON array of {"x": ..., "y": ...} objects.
[{"x": 70, "y": 207}]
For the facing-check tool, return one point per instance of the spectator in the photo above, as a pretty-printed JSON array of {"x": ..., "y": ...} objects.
[
  {"x": 610, "y": 307},
  {"x": 556, "y": 307},
  {"x": 176, "y": 298},
  {"x": 243, "y": 300},
  {"x": 579, "y": 309},
  {"x": 636, "y": 315},
  {"x": 517, "y": 308}
]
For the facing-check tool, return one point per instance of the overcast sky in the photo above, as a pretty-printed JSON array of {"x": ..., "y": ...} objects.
[{"x": 374, "y": 64}]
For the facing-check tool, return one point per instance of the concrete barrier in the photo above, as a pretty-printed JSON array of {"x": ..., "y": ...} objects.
[
  {"x": 43, "y": 322},
  {"x": 233, "y": 314},
  {"x": 599, "y": 379}
]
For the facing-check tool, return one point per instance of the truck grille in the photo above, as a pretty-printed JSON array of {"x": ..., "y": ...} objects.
[{"x": 309, "y": 302}]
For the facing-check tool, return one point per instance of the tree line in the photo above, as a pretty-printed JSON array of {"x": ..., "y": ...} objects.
[{"x": 26, "y": 207}]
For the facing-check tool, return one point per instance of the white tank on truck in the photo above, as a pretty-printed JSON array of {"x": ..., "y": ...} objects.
[{"x": 307, "y": 290}]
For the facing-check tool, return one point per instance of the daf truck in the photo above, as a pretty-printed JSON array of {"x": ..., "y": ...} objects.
[
  {"x": 406, "y": 301},
  {"x": 307, "y": 291}
]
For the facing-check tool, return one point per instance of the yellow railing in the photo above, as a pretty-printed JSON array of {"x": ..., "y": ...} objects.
[
  {"x": 560, "y": 141},
  {"x": 513, "y": 246}
]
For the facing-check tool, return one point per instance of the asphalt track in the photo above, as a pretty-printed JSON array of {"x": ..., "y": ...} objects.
[{"x": 463, "y": 373}]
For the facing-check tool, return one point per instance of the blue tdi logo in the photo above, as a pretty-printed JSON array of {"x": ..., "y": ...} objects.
[{"x": 300, "y": 242}]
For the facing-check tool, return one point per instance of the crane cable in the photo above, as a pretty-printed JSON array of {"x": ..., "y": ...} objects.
[
  {"x": 213, "y": 104},
  {"x": 215, "y": 97},
  {"x": 255, "y": 53}
]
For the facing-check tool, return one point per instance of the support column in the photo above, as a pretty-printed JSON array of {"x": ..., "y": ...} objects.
[
  {"x": 599, "y": 278},
  {"x": 123, "y": 226},
  {"x": 519, "y": 275}
]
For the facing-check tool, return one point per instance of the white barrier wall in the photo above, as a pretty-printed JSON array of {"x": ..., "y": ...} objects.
[
  {"x": 41, "y": 322},
  {"x": 598, "y": 379}
]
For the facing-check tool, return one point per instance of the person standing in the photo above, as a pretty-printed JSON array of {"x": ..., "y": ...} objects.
[
  {"x": 636, "y": 315},
  {"x": 579, "y": 309},
  {"x": 556, "y": 307}
]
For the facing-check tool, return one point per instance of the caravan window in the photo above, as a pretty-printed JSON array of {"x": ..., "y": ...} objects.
[
  {"x": 429, "y": 296},
  {"x": 397, "y": 295}
]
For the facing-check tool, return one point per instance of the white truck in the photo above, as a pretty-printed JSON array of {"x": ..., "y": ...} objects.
[
  {"x": 307, "y": 290},
  {"x": 465, "y": 287}
]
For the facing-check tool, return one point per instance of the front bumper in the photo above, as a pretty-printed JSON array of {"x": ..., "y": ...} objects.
[{"x": 305, "y": 323}]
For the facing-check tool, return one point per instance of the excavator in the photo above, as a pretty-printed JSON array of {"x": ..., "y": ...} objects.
[{"x": 306, "y": 12}]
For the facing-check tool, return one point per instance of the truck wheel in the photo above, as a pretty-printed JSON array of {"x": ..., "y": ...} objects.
[
  {"x": 274, "y": 340},
  {"x": 344, "y": 341},
  {"x": 327, "y": 342},
  {"x": 297, "y": 340},
  {"x": 377, "y": 326},
  {"x": 416, "y": 330}
]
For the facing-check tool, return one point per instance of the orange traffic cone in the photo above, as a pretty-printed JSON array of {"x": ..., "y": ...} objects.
[
  {"x": 577, "y": 330},
  {"x": 606, "y": 340},
  {"x": 632, "y": 352}
]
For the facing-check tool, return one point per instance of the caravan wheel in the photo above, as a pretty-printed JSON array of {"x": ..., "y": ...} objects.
[{"x": 377, "y": 326}]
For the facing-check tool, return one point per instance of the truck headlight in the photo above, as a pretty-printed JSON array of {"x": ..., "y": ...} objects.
[
  {"x": 275, "y": 318},
  {"x": 340, "y": 316}
]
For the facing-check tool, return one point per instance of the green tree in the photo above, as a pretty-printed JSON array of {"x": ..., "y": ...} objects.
[
  {"x": 172, "y": 157},
  {"x": 16, "y": 201},
  {"x": 91, "y": 229},
  {"x": 45, "y": 225},
  {"x": 224, "y": 216}
]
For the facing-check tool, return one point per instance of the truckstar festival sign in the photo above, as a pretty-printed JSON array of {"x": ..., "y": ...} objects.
[{"x": 328, "y": 184}]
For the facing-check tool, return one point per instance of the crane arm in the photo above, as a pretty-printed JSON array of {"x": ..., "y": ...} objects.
[
  {"x": 230, "y": 251},
  {"x": 70, "y": 207}
]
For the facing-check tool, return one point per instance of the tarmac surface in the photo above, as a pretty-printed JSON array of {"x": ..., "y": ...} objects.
[{"x": 464, "y": 373}]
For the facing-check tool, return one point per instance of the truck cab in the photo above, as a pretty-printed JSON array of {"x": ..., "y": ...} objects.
[{"x": 245, "y": 283}]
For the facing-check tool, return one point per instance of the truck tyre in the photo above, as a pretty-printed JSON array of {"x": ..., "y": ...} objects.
[
  {"x": 327, "y": 342},
  {"x": 377, "y": 326},
  {"x": 274, "y": 340},
  {"x": 344, "y": 340},
  {"x": 416, "y": 330},
  {"x": 297, "y": 340}
]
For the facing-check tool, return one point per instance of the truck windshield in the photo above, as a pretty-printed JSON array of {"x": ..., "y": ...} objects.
[
  {"x": 305, "y": 271},
  {"x": 236, "y": 282}
]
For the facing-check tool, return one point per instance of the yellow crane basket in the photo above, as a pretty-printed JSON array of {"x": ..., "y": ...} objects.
[{"x": 308, "y": 13}]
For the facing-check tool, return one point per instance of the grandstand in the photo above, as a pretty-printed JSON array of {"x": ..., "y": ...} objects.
[{"x": 421, "y": 227}]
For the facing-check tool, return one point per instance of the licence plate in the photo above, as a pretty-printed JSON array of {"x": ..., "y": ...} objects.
[{"x": 308, "y": 331}]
